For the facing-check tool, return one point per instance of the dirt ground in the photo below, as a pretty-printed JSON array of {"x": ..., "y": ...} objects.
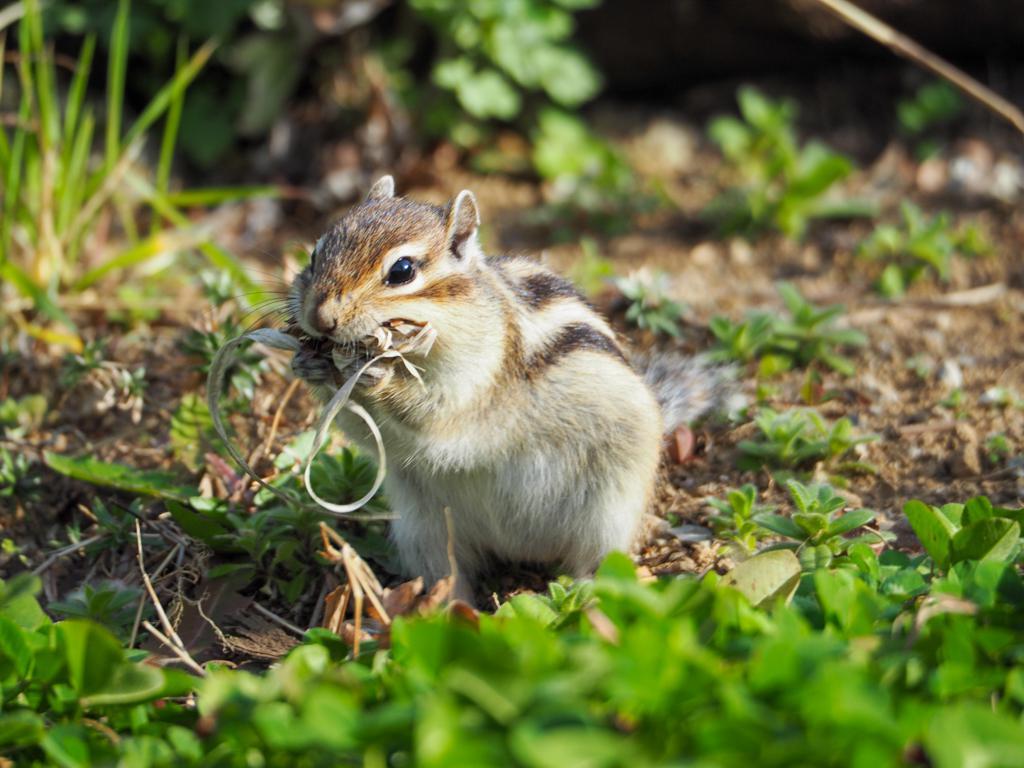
[{"x": 967, "y": 333}]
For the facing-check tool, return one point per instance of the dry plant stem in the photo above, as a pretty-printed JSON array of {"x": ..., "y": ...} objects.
[
  {"x": 142, "y": 600},
  {"x": 277, "y": 619},
  {"x": 449, "y": 525},
  {"x": 318, "y": 608},
  {"x": 71, "y": 548},
  {"x": 101, "y": 195},
  {"x": 904, "y": 46},
  {"x": 11, "y": 14},
  {"x": 362, "y": 584},
  {"x": 187, "y": 660},
  {"x": 269, "y": 442},
  {"x": 152, "y": 593}
]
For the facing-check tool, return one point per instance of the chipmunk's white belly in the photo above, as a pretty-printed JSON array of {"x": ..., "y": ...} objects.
[{"x": 561, "y": 504}]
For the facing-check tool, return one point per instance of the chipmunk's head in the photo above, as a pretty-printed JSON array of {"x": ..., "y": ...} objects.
[{"x": 388, "y": 258}]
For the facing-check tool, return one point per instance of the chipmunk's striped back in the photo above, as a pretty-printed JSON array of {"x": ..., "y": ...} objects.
[{"x": 548, "y": 318}]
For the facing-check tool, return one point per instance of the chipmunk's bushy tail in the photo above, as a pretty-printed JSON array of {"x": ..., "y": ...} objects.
[{"x": 688, "y": 388}]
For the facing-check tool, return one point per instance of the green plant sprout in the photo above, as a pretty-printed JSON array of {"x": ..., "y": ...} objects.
[
  {"x": 650, "y": 307},
  {"x": 918, "y": 246},
  {"x": 817, "y": 530},
  {"x": 108, "y": 603},
  {"x": 734, "y": 520},
  {"x": 201, "y": 346},
  {"x": 18, "y": 476},
  {"x": 933, "y": 106},
  {"x": 1001, "y": 397},
  {"x": 782, "y": 185},
  {"x": 998, "y": 448},
  {"x": 592, "y": 272},
  {"x": 976, "y": 530},
  {"x": 798, "y": 438},
  {"x": 591, "y": 185},
  {"x": 806, "y": 337}
]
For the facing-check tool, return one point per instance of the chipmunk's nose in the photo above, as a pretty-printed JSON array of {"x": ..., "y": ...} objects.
[{"x": 322, "y": 321}]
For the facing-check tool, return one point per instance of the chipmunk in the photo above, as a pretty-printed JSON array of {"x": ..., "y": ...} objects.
[{"x": 529, "y": 424}]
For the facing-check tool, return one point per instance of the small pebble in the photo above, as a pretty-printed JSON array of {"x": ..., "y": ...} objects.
[{"x": 951, "y": 374}]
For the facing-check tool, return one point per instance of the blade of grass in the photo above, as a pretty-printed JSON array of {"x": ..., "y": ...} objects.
[
  {"x": 75, "y": 172},
  {"x": 141, "y": 252},
  {"x": 76, "y": 96},
  {"x": 160, "y": 102},
  {"x": 171, "y": 126},
  {"x": 24, "y": 284},
  {"x": 46, "y": 94},
  {"x": 217, "y": 256},
  {"x": 192, "y": 198},
  {"x": 126, "y": 214},
  {"x": 49, "y": 264},
  {"x": 153, "y": 111},
  {"x": 99, "y": 196},
  {"x": 173, "y": 121},
  {"x": 116, "y": 68},
  {"x": 12, "y": 180},
  {"x": 5, "y": 148}
]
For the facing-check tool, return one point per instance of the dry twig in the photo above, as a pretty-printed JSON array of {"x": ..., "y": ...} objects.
[
  {"x": 171, "y": 640},
  {"x": 278, "y": 620},
  {"x": 899, "y": 43},
  {"x": 71, "y": 548},
  {"x": 181, "y": 653}
]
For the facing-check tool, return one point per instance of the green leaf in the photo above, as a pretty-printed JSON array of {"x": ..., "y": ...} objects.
[
  {"x": 780, "y": 525},
  {"x": 488, "y": 94},
  {"x": 21, "y": 728},
  {"x": 129, "y": 684},
  {"x": 933, "y": 528},
  {"x": 163, "y": 485},
  {"x": 92, "y": 655},
  {"x": 18, "y": 603},
  {"x": 617, "y": 566},
  {"x": 67, "y": 746},
  {"x": 850, "y": 521},
  {"x": 195, "y": 524},
  {"x": 569, "y": 747},
  {"x": 978, "y": 508},
  {"x": 971, "y": 734},
  {"x": 994, "y": 539},
  {"x": 529, "y": 607},
  {"x": 14, "y": 647},
  {"x": 766, "y": 577}
]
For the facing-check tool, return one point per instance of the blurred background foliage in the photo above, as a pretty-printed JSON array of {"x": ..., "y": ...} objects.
[{"x": 461, "y": 68}]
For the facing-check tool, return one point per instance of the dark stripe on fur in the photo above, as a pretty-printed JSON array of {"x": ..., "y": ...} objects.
[
  {"x": 575, "y": 337},
  {"x": 541, "y": 288}
]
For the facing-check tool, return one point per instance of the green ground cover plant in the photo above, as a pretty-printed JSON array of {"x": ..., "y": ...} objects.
[
  {"x": 808, "y": 337},
  {"x": 782, "y": 184},
  {"x": 798, "y": 438},
  {"x": 918, "y": 246},
  {"x": 649, "y": 306},
  {"x": 851, "y": 663}
]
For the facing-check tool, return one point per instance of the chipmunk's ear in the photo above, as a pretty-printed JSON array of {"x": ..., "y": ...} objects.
[
  {"x": 382, "y": 189},
  {"x": 463, "y": 223}
]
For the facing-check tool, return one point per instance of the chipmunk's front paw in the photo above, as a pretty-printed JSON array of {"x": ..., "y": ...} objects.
[{"x": 313, "y": 368}]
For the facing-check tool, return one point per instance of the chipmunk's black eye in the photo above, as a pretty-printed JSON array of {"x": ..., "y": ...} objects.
[{"x": 402, "y": 271}]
